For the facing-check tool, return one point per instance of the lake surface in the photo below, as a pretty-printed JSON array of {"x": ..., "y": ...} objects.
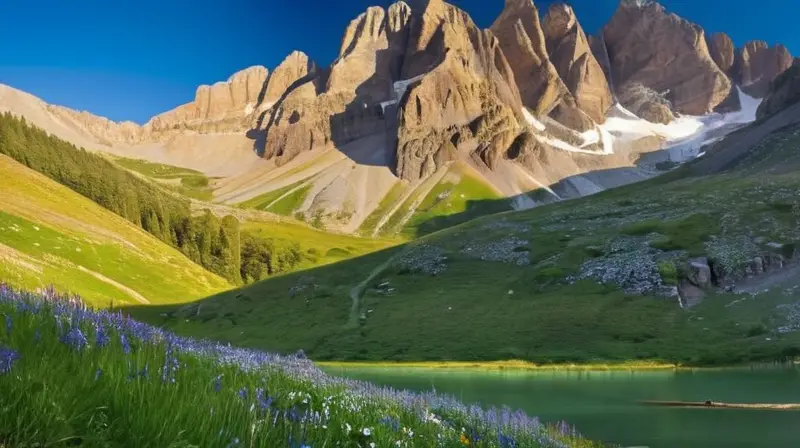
[{"x": 605, "y": 405}]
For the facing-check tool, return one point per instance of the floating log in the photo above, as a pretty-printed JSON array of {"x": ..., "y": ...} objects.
[{"x": 718, "y": 405}]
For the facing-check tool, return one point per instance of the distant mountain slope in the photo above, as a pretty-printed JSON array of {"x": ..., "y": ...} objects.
[
  {"x": 537, "y": 110},
  {"x": 52, "y": 235},
  {"x": 684, "y": 268}
]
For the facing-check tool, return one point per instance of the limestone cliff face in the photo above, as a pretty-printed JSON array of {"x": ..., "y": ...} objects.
[
  {"x": 222, "y": 107},
  {"x": 757, "y": 65},
  {"x": 464, "y": 91},
  {"x": 295, "y": 67},
  {"x": 342, "y": 103},
  {"x": 722, "y": 51},
  {"x": 219, "y": 107},
  {"x": 572, "y": 56},
  {"x": 665, "y": 53},
  {"x": 541, "y": 88}
]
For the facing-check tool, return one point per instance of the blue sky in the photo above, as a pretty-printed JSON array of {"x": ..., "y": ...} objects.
[{"x": 131, "y": 59}]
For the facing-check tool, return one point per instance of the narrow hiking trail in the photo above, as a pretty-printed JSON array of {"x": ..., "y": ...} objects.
[
  {"x": 132, "y": 293},
  {"x": 357, "y": 292}
]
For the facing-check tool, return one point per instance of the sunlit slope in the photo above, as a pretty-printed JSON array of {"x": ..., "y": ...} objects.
[{"x": 52, "y": 235}]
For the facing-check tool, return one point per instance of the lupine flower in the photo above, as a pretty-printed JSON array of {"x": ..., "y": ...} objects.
[
  {"x": 218, "y": 383},
  {"x": 101, "y": 337},
  {"x": 75, "y": 339},
  {"x": 7, "y": 359},
  {"x": 8, "y": 324},
  {"x": 123, "y": 341}
]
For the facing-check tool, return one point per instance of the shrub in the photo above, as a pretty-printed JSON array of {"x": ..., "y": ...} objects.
[{"x": 668, "y": 272}]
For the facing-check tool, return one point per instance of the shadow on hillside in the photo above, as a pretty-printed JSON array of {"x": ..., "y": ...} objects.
[{"x": 233, "y": 316}]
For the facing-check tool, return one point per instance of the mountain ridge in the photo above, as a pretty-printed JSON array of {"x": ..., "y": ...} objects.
[{"x": 416, "y": 88}]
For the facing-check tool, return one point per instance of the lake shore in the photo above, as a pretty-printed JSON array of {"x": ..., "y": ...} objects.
[{"x": 516, "y": 365}]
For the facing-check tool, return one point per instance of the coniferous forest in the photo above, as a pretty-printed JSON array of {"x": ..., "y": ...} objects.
[{"x": 216, "y": 244}]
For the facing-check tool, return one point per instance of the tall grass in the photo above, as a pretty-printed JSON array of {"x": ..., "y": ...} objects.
[{"x": 71, "y": 376}]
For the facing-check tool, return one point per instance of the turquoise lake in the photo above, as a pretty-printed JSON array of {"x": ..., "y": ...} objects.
[{"x": 606, "y": 405}]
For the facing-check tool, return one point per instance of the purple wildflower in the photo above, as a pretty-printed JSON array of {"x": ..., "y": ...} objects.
[
  {"x": 218, "y": 383},
  {"x": 101, "y": 337},
  {"x": 7, "y": 358},
  {"x": 126, "y": 346},
  {"x": 8, "y": 325},
  {"x": 75, "y": 339}
]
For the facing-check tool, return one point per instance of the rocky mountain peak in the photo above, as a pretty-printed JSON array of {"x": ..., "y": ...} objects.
[
  {"x": 577, "y": 66},
  {"x": 296, "y": 66},
  {"x": 542, "y": 90},
  {"x": 666, "y": 54},
  {"x": 757, "y": 65},
  {"x": 722, "y": 51}
]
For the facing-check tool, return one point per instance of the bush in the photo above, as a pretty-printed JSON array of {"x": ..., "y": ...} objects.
[
  {"x": 668, "y": 272},
  {"x": 756, "y": 330}
]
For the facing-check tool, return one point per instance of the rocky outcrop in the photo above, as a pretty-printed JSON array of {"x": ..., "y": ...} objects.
[
  {"x": 757, "y": 65},
  {"x": 464, "y": 91},
  {"x": 295, "y": 67},
  {"x": 645, "y": 102},
  {"x": 572, "y": 57},
  {"x": 598, "y": 46},
  {"x": 722, "y": 51},
  {"x": 784, "y": 91},
  {"x": 665, "y": 53},
  {"x": 342, "y": 103},
  {"x": 219, "y": 107},
  {"x": 541, "y": 88}
]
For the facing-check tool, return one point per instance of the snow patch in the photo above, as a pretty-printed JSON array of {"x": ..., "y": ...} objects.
[
  {"x": 400, "y": 87},
  {"x": 533, "y": 121}
]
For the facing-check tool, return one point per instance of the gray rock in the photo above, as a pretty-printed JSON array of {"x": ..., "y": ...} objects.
[
  {"x": 690, "y": 294},
  {"x": 774, "y": 245},
  {"x": 508, "y": 250},
  {"x": 425, "y": 259},
  {"x": 699, "y": 272}
]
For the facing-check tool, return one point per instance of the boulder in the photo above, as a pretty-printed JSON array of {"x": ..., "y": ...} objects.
[
  {"x": 572, "y": 57},
  {"x": 690, "y": 295},
  {"x": 758, "y": 64},
  {"x": 698, "y": 272},
  {"x": 665, "y": 53}
]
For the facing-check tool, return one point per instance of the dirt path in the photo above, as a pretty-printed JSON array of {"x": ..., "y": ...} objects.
[
  {"x": 357, "y": 292},
  {"x": 135, "y": 295}
]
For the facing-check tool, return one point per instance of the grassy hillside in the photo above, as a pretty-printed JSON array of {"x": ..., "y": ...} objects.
[
  {"x": 72, "y": 377},
  {"x": 587, "y": 280},
  {"x": 190, "y": 183},
  {"x": 52, "y": 235},
  {"x": 319, "y": 247}
]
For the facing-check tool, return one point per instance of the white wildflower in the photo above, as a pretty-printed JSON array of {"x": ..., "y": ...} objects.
[{"x": 366, "y": 431}]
